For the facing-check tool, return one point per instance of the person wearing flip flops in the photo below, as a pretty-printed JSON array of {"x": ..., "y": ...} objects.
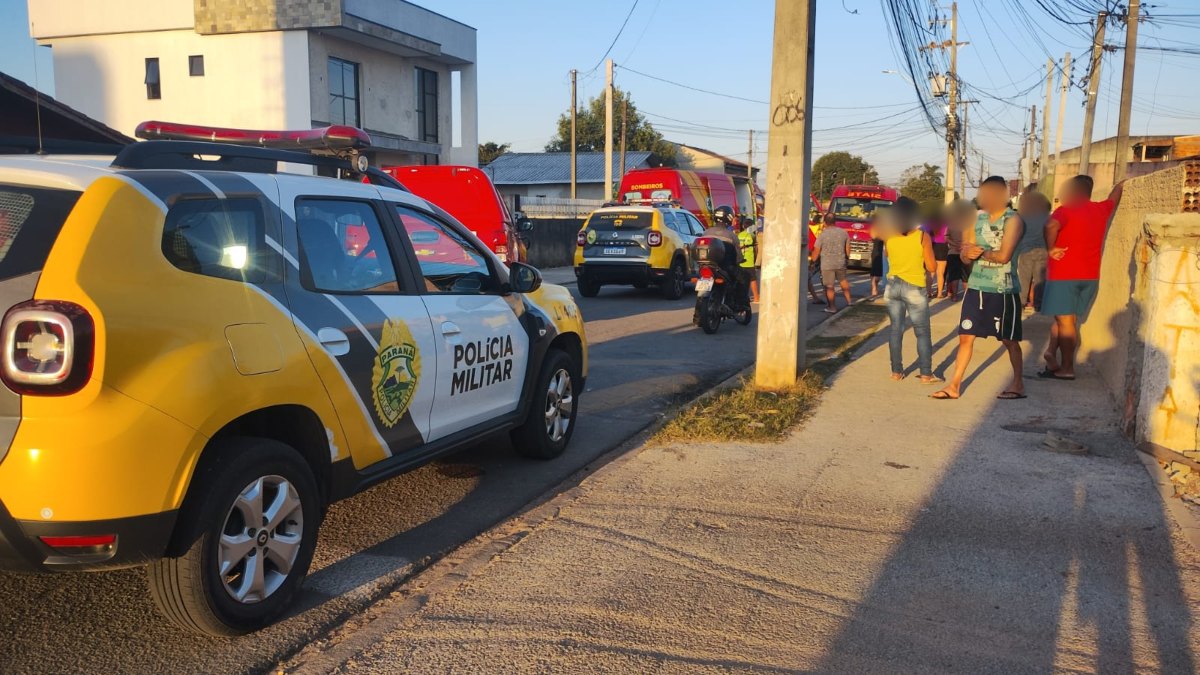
[
  {"x": 991, "y": 307},
  {"x": 1075, "y": 238}
]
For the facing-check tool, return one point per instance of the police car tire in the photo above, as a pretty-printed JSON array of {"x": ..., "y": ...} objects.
[
  {"x": 188, "y": 589},
  {"x": 531, "y": 439},
  {"x": 672, "y": 283},
  {"x": 588, "y": 287}
]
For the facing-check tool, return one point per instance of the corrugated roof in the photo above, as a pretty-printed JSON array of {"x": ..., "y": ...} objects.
[{"x": 534, "y": 168}]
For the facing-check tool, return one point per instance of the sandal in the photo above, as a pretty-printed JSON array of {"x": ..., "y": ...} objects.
[
  {"x": 1011, "y": 395},
  {"x": 942, "y": 395}
]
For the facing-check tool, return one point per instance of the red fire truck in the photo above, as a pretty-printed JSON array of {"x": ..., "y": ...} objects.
[{"x": 853, "y": 206}]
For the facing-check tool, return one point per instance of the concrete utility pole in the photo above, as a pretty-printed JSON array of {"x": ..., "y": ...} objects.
[
  {"x": 1062, "y": 106},
  {"x": 574, "y": 157},
  {"x": 1131, "y": 31},
  {"x": 782, "y": 319},
  {"x": 624, "y": 121},
  {"x": 608, "y": 130},
  {"x": 952, "y": 104},
  {"x": 952, "y": 120},
  {"x": 1089, "y": 115},
  {"x": 1044, "y": 165}
]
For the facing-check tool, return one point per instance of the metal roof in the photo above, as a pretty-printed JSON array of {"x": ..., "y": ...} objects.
[{"x": 539, "y": 168}]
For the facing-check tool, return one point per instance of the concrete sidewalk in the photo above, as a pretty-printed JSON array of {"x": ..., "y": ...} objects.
[{"x": 892, "y": 533}]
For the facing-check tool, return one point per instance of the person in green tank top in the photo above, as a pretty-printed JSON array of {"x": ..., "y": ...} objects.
[{"x": 992, "y": 305}]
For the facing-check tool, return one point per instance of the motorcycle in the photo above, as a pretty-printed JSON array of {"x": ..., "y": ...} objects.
[{"x": 717, "y": 293}]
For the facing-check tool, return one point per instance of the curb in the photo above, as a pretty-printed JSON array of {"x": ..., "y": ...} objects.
[{"x": 446, "y": 574}]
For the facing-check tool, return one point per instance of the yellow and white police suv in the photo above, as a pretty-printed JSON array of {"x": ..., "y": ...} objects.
[{"x": 202, "y": 351}]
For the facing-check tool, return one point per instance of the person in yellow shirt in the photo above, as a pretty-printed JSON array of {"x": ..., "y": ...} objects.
[{"x": 909, "y": 252}]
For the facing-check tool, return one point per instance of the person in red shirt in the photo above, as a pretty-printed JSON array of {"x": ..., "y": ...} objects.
[{"x": 1075, "y": 241}]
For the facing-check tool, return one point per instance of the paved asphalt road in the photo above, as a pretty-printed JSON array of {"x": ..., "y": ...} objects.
[{"x": 645, "y": 356}]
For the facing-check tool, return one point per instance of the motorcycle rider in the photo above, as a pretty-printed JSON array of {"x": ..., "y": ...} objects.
[
  {"x": 722, "y": 228},
  {"x": 748, "y": 239}
]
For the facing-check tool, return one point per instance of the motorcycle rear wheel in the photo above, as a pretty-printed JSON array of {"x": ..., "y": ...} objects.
[{"x": 709, "y": 310}]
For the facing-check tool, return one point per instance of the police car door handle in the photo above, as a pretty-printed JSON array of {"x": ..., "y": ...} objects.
[
  {"x": 450, "y": 329},
  {"x": 334, "y": 341}
]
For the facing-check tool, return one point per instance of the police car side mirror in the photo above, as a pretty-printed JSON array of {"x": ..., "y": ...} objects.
[{"x": 524, "y": 278}]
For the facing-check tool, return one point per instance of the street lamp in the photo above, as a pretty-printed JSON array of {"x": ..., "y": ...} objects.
[{"x": 896, "y": 72}]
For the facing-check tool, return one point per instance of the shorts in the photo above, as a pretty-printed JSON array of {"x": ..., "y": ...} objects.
[
  {"x": 991, "y": 315},
  {"x": 954, "y": 268},
  {"x": 830, "y": 276},
  {"x": 1062, "y": 298},
  {"x": 877, "y": 257},
  {"x": 941, "y": 252}
]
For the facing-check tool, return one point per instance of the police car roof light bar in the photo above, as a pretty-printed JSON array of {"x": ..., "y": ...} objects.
[
  {"x": 190, "y": 156},
  {"x": 335, "y": 138}
]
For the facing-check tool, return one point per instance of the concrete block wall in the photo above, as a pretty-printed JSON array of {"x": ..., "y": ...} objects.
[{"x": 1126, "y": 338}]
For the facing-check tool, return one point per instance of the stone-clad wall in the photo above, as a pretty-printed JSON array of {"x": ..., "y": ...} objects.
[{"x": 245, "y": 16}]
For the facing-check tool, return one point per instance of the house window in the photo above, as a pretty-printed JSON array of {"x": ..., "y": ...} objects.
[
  {"x": 343, "y": 92},
  {"x": 196, "y": 65},
  {"x": 427, "y": 105},
  {"x": 153, "y": 88}
]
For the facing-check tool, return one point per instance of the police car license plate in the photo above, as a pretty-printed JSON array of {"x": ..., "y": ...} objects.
[
  {"x": 704, "y": 285},
  {"x": 614, "y": 251}
]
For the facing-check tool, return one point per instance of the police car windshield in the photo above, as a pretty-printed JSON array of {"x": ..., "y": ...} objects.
[{"x": 858, "y": 210}]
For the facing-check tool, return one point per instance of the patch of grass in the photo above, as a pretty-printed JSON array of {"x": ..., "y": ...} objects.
[{"x": 745, "y": 413}]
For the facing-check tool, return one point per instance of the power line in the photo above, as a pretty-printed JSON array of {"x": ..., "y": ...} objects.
[
  {"x": 687, "y": 86},
  {"x": 614, "y": 40}
]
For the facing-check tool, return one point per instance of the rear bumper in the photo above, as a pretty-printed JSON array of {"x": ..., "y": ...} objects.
[
  {"x": 139, "y": 540},
  {"x": 620, "y": 272}
]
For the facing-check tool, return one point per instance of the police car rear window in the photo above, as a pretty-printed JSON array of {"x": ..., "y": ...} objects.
[
  {"x": 30, "y": 220},
  {"x": 626, "y": 220}
]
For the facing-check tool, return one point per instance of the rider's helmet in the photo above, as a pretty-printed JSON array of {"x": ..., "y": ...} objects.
[{"x": 723, "y": 215}]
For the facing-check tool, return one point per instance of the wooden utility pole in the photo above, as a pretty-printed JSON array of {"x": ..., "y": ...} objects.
[
  {"x": 1044, "y": 163},
  {"x": 1131, "y": 31},
  {"x": 1030, "y": 174},
  {"x": 624, "y": 121},
  {"x": 608, "y": 130},
  {"x": 750, "y": 159},
  {"x": 1062, "y": 106},
  {"x": 783, "y": 316},
  {"x": 1089, "y": 115},
  {"x": 574, "y": 156}
]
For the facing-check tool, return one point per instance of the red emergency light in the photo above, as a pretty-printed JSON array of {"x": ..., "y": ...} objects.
[{"x": 336, "y": 137}]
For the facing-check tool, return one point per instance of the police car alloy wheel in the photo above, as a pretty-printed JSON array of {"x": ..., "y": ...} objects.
[
  {"x": 672, "y": 283},
  {"x": 253, "y": 527},
  {"x": 551, "y": 420}
]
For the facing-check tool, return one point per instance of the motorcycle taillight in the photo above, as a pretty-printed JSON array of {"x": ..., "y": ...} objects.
[
  {"x": 706, "y": 272},
  {"x": 48, "y": 348}
]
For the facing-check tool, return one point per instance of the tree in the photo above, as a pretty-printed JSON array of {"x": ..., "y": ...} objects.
[
  {"x": 923, "y": 184},
  {"x": 589, "y": 131},
  {"x": 841, "y": 168},
  {"x": 490, "y": 151}
]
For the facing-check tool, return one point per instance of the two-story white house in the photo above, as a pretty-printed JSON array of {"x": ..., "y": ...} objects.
[{"x": 405, "y": 74}]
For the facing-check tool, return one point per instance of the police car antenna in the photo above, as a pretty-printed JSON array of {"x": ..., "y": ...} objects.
[{"x": 37, "y": 95}]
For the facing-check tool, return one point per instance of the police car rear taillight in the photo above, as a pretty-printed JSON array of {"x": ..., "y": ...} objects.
[
  {"x": 336, "y": 137},
  {"x": 581, "y": 238},
  {"x": 654, "y": 238},
  {"x": 48, "y": 348}
]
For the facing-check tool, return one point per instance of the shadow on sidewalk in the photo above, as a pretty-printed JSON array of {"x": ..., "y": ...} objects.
[{"x": 1009, "y": 568}]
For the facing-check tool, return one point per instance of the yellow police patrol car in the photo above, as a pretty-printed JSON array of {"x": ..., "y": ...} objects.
[
  {"x": 638, "y": 245},
  {"x": 202, "y": 351}
]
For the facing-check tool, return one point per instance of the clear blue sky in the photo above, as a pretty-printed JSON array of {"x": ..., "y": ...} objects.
[{"x": 527, "y": 48}]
